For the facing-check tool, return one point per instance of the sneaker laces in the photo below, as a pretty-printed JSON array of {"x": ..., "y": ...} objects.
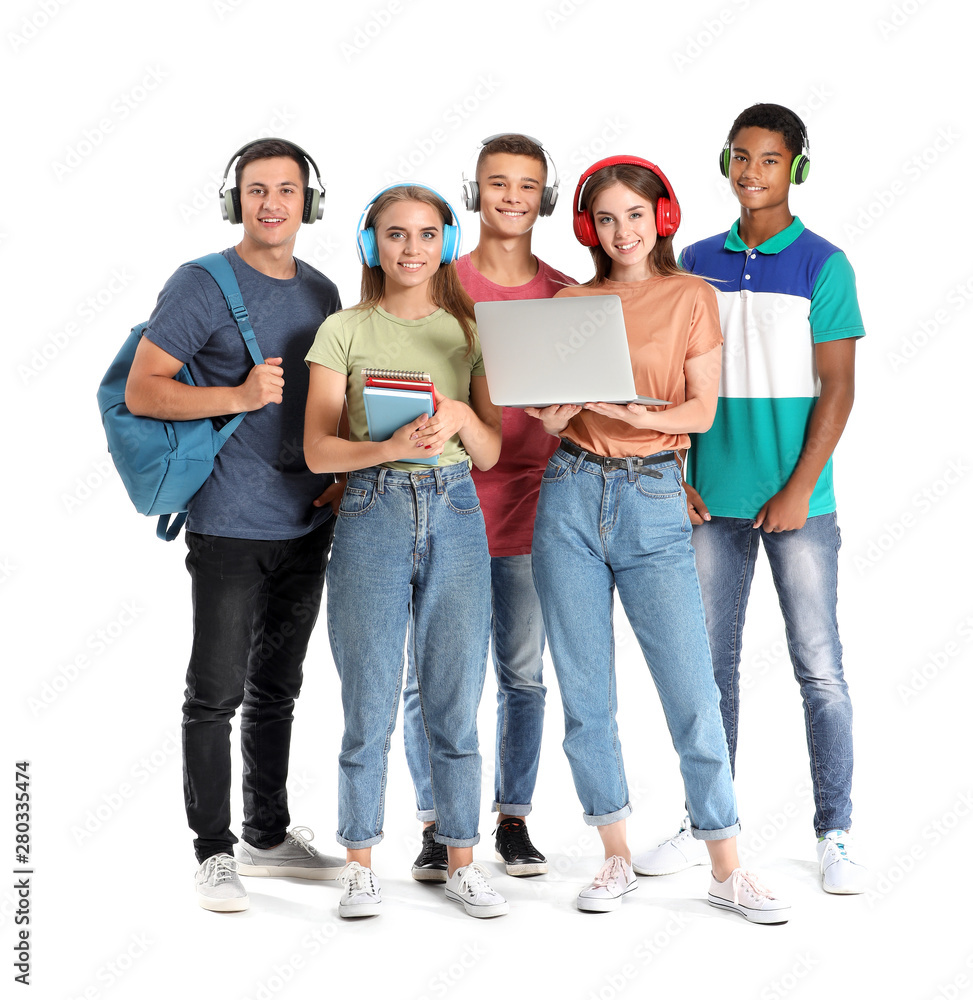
[
  {"x": 609, "y": 872},
  {"x": 301, "y": 836},
  {"x": 220, "y": 868},
  {"x": 756, "y": 886},
  {"x": 474, "y": 879},
  {"x": 839, "y": 844},
  {"x": 516, "y": 832},
  {"x": 357, "y": 877}
]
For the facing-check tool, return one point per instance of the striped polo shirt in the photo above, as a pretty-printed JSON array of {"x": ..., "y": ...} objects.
[{"x": 776, "y": 301}]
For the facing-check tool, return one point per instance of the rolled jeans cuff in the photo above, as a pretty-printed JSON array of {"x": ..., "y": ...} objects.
[
  {"x": 724, "y": 834},
  {"x": 426, "y": 815},
  {"x": 455, "y": 842},
  {"x": 512, "y": 809},
  {"x": 359, "y": 845},
  {"x": 609, "y": 818}
]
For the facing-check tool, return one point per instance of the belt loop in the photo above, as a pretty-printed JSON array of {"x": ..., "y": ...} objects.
[
  {"x": 381, "y": 479},
  {"x": 630, "y": 465},
  {"x": 577, "y": 459},
  {"x": 438, "y": 473}
]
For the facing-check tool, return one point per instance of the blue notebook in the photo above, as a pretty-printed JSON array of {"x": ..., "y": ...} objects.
[{"x": 386, "y": 410}]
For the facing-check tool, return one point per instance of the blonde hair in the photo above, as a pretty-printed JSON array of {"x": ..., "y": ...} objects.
[{"x": 445, "y": 288}]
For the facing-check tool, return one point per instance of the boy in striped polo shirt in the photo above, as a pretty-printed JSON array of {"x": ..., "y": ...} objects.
[{"x": 762, "y": 474}]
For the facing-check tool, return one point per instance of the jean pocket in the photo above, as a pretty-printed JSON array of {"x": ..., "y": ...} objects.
[
  {"x": 555, "y": 471},
  {"x": 461, "y": 496},
  {"x": 357, "y": 499}
]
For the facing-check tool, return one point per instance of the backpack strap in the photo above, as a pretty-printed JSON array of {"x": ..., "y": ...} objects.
[
  {"x": 219, "y": 267},
  {"x": 222, "y": 273}
]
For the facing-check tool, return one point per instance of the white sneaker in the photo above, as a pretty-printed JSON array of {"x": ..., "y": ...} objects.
[
  {"x": 363, "y": 895},
  {"x": 743, "y": 893},
  {"x": 218, "y": 887},
  {"x": 613, "y": 880},
  {"x": 469, "y": 885},
  {"x": 295, "y": 858},
  {"x": 673, "y": 855},
  {"x": 839, "y": 874}
]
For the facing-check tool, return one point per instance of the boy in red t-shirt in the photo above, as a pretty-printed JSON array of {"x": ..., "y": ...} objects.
[{"x": 510, "y": 191}]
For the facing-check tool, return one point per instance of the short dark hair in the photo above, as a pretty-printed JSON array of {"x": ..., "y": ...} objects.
[
  {"x": 265, "y": 149},
  {"x": 773, "y": 118},
  {"x": 516, "y": 145}
]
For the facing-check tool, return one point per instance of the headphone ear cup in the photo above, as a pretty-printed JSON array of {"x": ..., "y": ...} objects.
[
  {"x": 800, "y": 168},
  {"x": 451, "y": 239},
  {"x": 584, "y": 229},
  {"x": 666, "y": 217},
  {"x": 725, "y": 161},
  {"x": 313, "y": 209},
  {"x": 548, "y": 201},
  {"x": 232, "y": 210},
  {"x": 471, "y": 196},
  {"x": 368, "y": 248}
]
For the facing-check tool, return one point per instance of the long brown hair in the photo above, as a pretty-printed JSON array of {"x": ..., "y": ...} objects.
[
  {"x": 662, "y": 258},
  {"x": 445, "y": 289}
]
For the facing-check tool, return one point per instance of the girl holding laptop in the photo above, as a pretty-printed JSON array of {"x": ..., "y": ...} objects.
[{"x": 612, "y": 514}]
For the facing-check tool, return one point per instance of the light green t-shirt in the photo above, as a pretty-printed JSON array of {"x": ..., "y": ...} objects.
[{"x": 353, "y": 339}]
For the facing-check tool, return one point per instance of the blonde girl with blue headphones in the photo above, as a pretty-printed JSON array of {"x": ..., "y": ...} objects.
[{"x": 410, "y": 552}]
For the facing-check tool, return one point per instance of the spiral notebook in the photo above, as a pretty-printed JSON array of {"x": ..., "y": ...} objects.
[{"x": 394, "y": 397}]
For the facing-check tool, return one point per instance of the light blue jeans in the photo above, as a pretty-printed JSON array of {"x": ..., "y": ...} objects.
[
  {"x": 804, "y": 564},
  {"x": 409, "y": 558},
  {"x": 597, "y": 530},
  {"x": 517, "y": 641}
]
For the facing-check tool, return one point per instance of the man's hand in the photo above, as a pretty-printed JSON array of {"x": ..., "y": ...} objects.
[
  {"x": 264, "y": 384},
  {"x": 784, "y": 511},
  {"x": 332, "y": 494},
  {"x": 698, "y": 511}
]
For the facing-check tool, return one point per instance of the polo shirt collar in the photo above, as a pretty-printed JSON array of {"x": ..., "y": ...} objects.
[{"x": 776, "y": 243}]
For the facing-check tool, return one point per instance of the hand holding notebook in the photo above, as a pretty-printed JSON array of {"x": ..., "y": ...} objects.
[{"x": 394, "y": 398}]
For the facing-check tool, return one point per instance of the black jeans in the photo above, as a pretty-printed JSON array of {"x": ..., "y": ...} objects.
[{"x": 254, "y": 606}]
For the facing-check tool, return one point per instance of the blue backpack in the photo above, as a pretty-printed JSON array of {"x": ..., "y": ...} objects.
[{"x": 164, "y": 462}]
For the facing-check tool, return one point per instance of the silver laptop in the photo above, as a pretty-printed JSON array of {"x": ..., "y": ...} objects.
[{"x": 567, "y": 350}]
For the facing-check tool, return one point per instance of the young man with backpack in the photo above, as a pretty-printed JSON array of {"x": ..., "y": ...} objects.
[{"x": 259, "y": 529}]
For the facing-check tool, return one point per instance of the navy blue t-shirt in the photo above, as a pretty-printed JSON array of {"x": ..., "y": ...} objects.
[{"x": 260, "y": 487}]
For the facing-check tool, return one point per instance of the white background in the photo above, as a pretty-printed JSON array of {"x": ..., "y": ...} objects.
[{"x": 118, "y": 125}]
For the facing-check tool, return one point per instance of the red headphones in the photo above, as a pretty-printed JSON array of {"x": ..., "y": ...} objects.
[{"x": 667, "y": 212}]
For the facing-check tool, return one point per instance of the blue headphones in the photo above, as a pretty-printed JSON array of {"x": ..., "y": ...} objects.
[{"x": 368, "y": 245}]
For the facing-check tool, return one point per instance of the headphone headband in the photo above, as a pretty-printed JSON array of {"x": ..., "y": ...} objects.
[
  {"x": 313, "y": 197},
  {"x": 471, "y": 188},
  {"x": 667, "y": 211},
  {"x": 368, "y": 243}
]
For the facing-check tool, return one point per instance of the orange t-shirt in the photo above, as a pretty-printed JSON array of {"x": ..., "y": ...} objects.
[{"x": 668, "y": 321}]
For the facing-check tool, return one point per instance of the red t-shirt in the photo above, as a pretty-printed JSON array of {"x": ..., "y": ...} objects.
[{"x": 508, "y": 492}]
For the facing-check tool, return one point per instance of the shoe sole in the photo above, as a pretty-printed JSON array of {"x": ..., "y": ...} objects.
[
  {"x": 520, "y": 870},
  {"x": 224, "y": 905},
  {"x": 318, "y": 874},
  {"x": 429, "y": 874},
  {"x": 361, "y": 910},
  {"x": 838, "y": 891},
  {"x": 754, "y": 916},
  {"x": 493, "y": 910},
  {"x": 604, "y": 904},
  {"x": 642, "y": 870}
]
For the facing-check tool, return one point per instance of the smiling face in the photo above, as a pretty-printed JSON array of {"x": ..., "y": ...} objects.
[
  {"x": 409, "y": 236},
  {"x": 510, "y": 192},
  {"x": 625, "y": 225},
  {"x": 760, "y": 168},
  {"x": 271, "y": 202}
]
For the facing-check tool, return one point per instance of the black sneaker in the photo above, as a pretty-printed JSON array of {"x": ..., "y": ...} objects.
[
  {"x": 516, "y": 851},
  {"x": 431, "y": 865}
]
